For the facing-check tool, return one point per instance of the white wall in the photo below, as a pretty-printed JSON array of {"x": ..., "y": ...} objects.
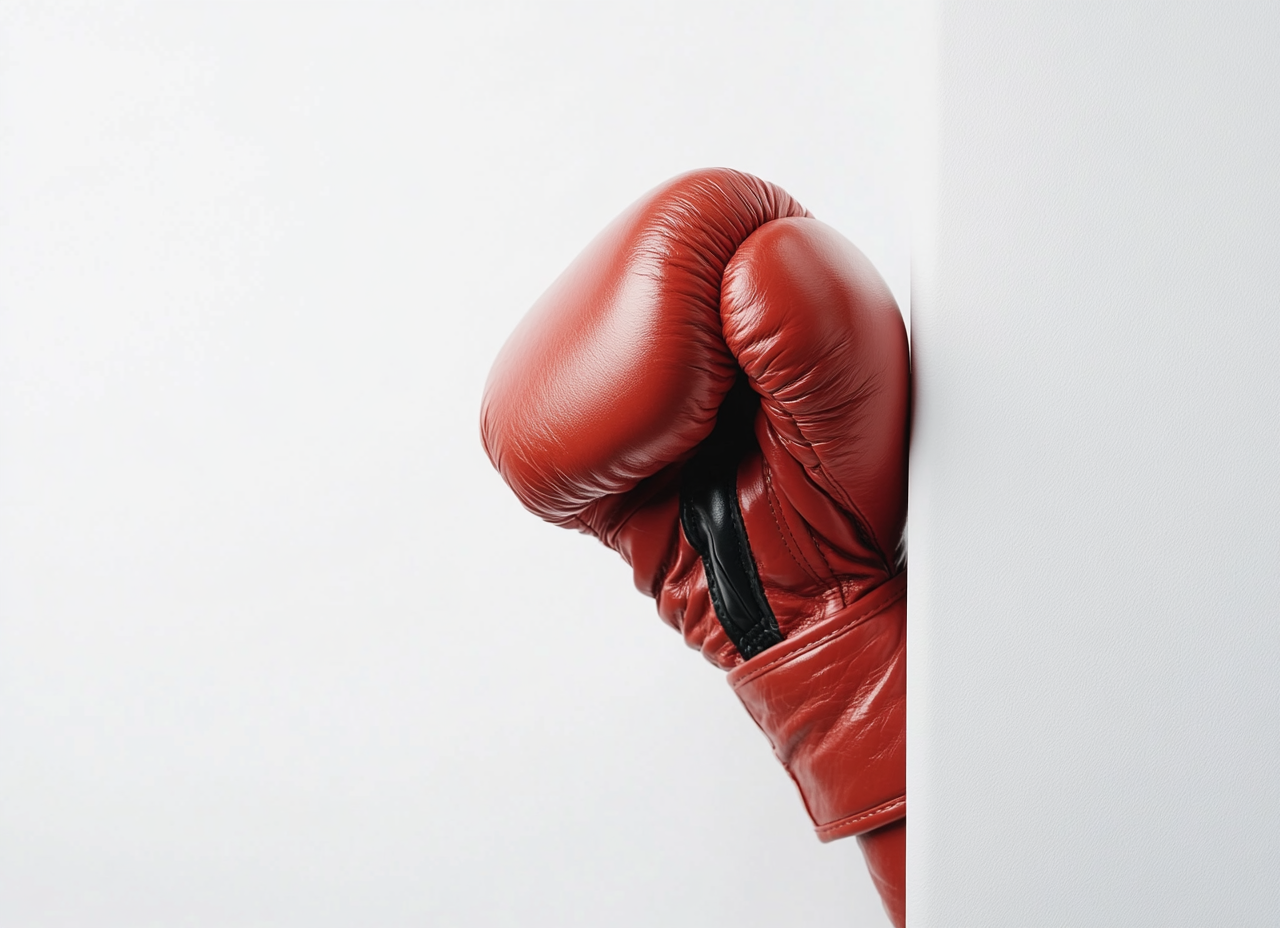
[
  {"x": 276, "y": 645},
  {"x": 1095, "y": 625}
]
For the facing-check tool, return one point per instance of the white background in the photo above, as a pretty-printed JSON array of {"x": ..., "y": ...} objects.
[
  {"x": 277, "y": 647},
  {"x": 1095, "y": 524}
]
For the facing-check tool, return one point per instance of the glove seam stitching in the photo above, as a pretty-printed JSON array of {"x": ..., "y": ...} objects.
[
  {"x": 836, "y": 489},
  {"x": 830, "y": 570},
  {"x": 853, "y": 819},
  {"x": 785, "y": 530}
]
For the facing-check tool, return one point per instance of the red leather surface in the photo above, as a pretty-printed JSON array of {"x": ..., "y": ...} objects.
[
  {"x": 885, "y": 850},
  {"x": 616, "y": 375},
  {"x": 832, "y": 701},
  {"x": 619, "y": 368}
]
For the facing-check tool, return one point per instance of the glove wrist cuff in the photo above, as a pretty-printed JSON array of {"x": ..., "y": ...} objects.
[{"x": 832, "y": 701}]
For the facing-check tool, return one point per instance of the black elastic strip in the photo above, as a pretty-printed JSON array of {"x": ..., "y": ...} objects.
[{"x": 712, "y": 521}]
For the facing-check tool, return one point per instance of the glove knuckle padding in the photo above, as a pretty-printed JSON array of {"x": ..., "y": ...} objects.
[
  {"x": 818, "y": 334},
  {"x": 620, "y": 367}
]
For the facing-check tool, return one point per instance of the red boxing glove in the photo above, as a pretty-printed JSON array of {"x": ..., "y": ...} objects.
[{"x": 718, "y": 389}]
